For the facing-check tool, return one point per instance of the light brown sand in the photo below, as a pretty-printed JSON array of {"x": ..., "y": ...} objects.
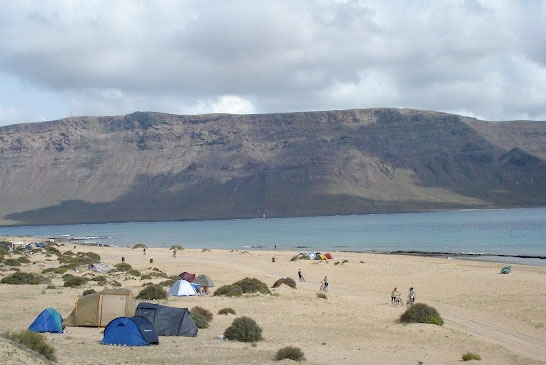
[{"x": 500, "y": 317}]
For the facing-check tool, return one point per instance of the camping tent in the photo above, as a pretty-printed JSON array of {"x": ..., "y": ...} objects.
[
  {"x": 181, "y": 288},
  {"x": 99, "y": 267},
  {"x": 168, "y": 321},
  {"x": 204, "y": 280},
  {"x": 125, "y": 331},
  {"x": 97, "y": 309},
  {"x": 48, "y": 321},
  {"x": 329, "y": 256},
  {"x": 187, "y": 276}
]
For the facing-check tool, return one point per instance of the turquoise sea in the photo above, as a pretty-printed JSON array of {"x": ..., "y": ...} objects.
[{"x": 511, "y": 232}]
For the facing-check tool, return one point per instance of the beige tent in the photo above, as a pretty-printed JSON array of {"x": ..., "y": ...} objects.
[{"x": 97, "y": 309}]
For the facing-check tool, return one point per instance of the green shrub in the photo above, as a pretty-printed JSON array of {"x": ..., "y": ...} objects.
[
  {"x": 71, "y": 281},
  {"x": 206, "y": 313},
  {"x": 51, "y": 287},
  {"x": 470, "y": 356},
  {"x": 88, "y": 291},
  {"x": 290, "y": 352},
  {"x": 243, "y": 329},
  {"x": 57, "y": 270},
  {"x": 149, "y": 283},
  {"x": 134, "y": 272},
  {"x": 226, "y": 311},
  {"x": 101, "y": 279},
  {"x": 422, "y": 313},
  {"x": 68, "y": 253},
  {"x": 152, "y": 292},
  {"x": 50, "y": 249},
  {"x": 300, "y": 256},
  {"x": 33, "y": 341},
  {"x": 155, "y": 274},
  {"x": 21, "y": 278},
  {"x": 177, "y": 247},
  {"x": 205, "y": 250},
  {"x": 286, "y": 281},
  {"x": 115, "y": 283},
  {"x": 344, "y": 262},
  {"x": 246, "y": 285},
  {"x": 122, "y": 267},
  {"x": 12, "y": 262},
  {"x": 200, "y": 320},
  {"x": 81, "y": 258},
  {"x": 336, "y": 263},
  {"x": 322, "y": 296},
  {"x": 140, "y": 245},
  {"x": 168, "y": 282}
]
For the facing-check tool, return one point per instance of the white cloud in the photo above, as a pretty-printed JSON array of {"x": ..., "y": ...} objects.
[{"x": 485, "y": 57}]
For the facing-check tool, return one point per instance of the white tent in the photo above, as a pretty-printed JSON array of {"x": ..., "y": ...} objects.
[{"x": 181, "y": 288}]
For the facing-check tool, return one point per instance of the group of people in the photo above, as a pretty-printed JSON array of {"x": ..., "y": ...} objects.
[
  {"x": 323, "y": 282},
  {"x": 395, "y": 296}
]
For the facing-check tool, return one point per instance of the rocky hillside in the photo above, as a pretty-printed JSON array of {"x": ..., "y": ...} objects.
[{"x": 152, "y": 166}]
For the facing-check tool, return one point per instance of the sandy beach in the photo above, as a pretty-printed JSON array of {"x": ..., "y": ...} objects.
[{"x": 500, "y": 317}]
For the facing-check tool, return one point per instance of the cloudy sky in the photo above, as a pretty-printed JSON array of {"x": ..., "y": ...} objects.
[{"x": 483, "y": 58}]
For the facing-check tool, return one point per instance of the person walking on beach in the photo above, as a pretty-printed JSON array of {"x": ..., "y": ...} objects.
[
  {"x": 144, "y": 251},
  {"x": 394, "y": 295},
  {"x": 174, "y": 253},
  {"x": 324, "y": 284},
  {"x": 300, "y": 275},
  {"x": 411, "y": 295}
]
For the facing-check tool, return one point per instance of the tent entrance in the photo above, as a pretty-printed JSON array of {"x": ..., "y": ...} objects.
[{"x": 111, "y": 307}]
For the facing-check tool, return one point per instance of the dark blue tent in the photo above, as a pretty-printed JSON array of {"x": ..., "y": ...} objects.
[
  {"x": 125, "y": 331},
  {"x": 48, "y": 321}
]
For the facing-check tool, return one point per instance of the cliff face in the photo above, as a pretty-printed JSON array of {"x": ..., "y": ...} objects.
[{"x": 152, "y": 166}]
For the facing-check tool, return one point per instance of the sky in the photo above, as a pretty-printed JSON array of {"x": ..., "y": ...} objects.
[{"x": 480, "y": 58}]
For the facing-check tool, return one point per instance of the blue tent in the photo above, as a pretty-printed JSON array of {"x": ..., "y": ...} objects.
[
  {"x": 125, "y": 331},
  {"x": 48, "y": 321}
]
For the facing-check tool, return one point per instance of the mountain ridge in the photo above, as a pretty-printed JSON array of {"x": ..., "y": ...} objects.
[{"x": 148, "y": 166}]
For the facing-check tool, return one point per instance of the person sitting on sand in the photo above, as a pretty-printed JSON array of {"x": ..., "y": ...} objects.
[
  {"x": 324, "y": 284},
  {"x": 300, "y": 275},
  {"x": 394, "y": 295},
  {"x": 205, "y": 290},
  {"x": 411, "y": 295}
]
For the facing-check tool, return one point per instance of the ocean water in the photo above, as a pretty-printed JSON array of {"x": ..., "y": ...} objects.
[{"x": 491, "y": 232}]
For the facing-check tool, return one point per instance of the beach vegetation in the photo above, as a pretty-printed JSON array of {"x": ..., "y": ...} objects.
[
  {"x": 290, "y": 352},
  {"x": 286, "y": 281},
  {"x": 200, "y": 320},
  {"x": 121, "y": 267},
  {"x": 88, "y": 291},
  {"x": 33, "y": 341},
  {"x": 205, "y": 250},
  {"x": 52, "y": 250},
  {"x": 422, "y": 313},
  {"x": 322, "y": 296},
  {"x": 152, "y": 292},
  {"x": 17, "y": 262},
  {"x": 100, "y": 280},
  {"x": 246, "y": 285},
  {"x": 81, "y": 258},
  {"x": 71, "y": 281},
  {"x": 115, "y": 283},
  {"x": 176, "y": 247},
  {"x": 134, "y": 272},
  {"x": 51, "y": 287},
  {"x": 140, "y": 245},
  {"x": 226, "y": 311},
  {"x": 470, "y": 356},
  {"x": 205, "y": 312},
  {"x": 345, "y": 261},
  {"x": 155, "y": 274},
  {"x": 244, "y": 329},
  {"x": 336, "y": 263},
  {"x": 23, "y": 278},
  {"x": 169, "y": 282}
]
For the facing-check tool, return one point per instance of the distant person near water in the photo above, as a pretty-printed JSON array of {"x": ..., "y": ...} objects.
[
  {"x": 300, "y": 275},
  {"x": 144, "y": 251},
  {"x": 174, "y": 253},
  {"x": 324, "y": 284}
]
